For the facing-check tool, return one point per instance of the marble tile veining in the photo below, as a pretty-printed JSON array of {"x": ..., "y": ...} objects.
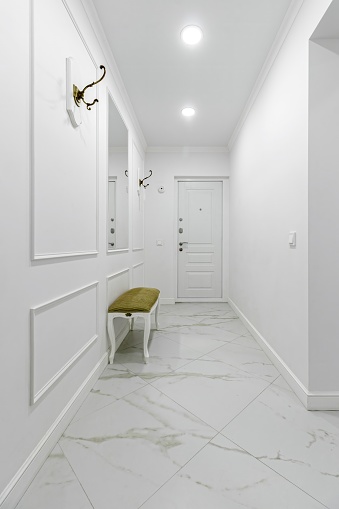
[
  {"x": 224, "y": 476},
  {"x": 135, "y": 445},
  {"x": 206, "y": 423},
  {"x": 55, "y": 486},
  {"x": 211, "y": 390},
  {"x": 302, "y": 446}
]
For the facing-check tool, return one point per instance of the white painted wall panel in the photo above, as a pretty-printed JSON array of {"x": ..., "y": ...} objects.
[
  {"x": 139, "y": 195},
  {"x": 269, "y": 198},
  {"x": 324, "y": 214},
  {"x": 138, "y": 275},
  {"x": 61, "y": 331},
  {"x": 64, "y": 187}
]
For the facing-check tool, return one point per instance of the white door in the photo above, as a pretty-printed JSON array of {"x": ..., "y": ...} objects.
[{"x": 199, "y": 240}]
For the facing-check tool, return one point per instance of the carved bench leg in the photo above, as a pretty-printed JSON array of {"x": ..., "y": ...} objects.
[
  {"x": 147, "y": 329},
  {"x": 111, "y": 334},
  {"x": 156, "y": 315}
]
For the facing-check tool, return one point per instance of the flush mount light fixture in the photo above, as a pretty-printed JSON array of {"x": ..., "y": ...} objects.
[
  {"x": 191, "y": 34},
  {"x": 188, "y": 112}
]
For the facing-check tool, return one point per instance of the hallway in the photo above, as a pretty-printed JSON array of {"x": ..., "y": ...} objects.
[{"x": 208, "y": 422}]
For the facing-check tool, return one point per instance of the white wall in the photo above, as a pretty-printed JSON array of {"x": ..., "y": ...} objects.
[
  {"x": 269, "y": 198},
  {"x": 324, "y": 214},
  {"x": 161, "y": 212},
  {"x": 55, "y": 265}
]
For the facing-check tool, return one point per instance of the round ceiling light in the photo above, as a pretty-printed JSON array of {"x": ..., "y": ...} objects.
[
  {"x": 188, "y": 112},
  {"x": 191, "y": 34}
]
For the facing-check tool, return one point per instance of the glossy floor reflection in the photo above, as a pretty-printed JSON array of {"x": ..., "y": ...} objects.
[{"x": 208, "y": 422}]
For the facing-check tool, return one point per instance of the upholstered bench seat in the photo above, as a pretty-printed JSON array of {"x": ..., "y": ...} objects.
[{"x": 137, "y": 302}]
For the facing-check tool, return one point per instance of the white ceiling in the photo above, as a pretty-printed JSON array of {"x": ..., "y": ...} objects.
[{"x": 162, "y": 75}]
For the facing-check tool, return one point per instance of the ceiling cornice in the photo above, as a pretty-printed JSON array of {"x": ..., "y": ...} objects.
[
  {"x": 279, "y": 40},
  {"x": 94, "y": 21},
  {"x": 188, "y": 150}
]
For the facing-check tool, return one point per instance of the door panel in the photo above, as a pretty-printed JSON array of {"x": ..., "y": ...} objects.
[{"x": 199, "y": 240}]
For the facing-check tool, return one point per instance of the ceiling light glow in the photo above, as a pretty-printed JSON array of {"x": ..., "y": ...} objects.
[
  {"x": 191, "y": 34},
  {"x": 188, "y": 112}
]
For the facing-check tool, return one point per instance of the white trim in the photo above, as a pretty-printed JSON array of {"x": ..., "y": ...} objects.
[
  {"x": 15, "y": 489},
  {"x": 138, "y": 249},
  {"x": 311, "y": 400},
  {"x": 35, "y": 396},
  {"x": 166, "y": 300},
  {"x": 279, "y": 40},
  {"x": 115, "y": 274},
  {"x": 138, "y": 265},
  {"x": 48, "y": 256},
  {"x": 171, "y": 150},
  {"x": 200, "y": 299}
]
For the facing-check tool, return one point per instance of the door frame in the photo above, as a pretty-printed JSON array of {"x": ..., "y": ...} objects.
[{"x": 225, "y": 237}]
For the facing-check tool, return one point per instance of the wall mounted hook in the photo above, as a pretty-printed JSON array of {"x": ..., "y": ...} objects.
[
  {"x": 141, "y": 181},
  {"x": 79, "y": 94}
]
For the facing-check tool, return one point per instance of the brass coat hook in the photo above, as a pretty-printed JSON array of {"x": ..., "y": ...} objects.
[
  {"x": 126, "y": 173},
  {"x": 79, "y": 94},
  {"x": 141, "y": 182}
]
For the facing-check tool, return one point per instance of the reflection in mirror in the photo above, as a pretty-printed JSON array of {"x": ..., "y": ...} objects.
[{"x": 117, "y": 210}]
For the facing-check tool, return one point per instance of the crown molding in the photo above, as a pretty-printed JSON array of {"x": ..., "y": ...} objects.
[
  {"x": 278, "y": 42},
  {"x": 187, "y": 150},
  {"x": 100, "y": 35}
]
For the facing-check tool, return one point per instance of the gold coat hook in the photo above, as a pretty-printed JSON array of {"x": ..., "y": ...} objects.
[
  {"x": 79, "y": 94},
  {"x": 141, "y": 182}
]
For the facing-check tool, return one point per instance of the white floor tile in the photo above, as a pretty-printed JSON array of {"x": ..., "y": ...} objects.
[
  {"x": 211, "y": 390},
  {"x": 302, "y": 446},
  {"x": 246, "y": 360},
  {"x": 123, "y": 453},
  {"x": 55, "y": 487},
  {"x": 223, "y": 476}
]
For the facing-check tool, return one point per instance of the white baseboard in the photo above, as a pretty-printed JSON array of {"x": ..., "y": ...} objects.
[
  {"x": 200, "y": 299},
  {"x": 22, "y": 479},
  {"x": 311, "y": 400},
  {"x": 164, "y": 300}
]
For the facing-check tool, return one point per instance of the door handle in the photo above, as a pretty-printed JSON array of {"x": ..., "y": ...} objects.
[{"x": 182, "y": 243}]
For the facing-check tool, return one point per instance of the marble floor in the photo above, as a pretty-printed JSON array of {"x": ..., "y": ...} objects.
[{"x": 207, "y": 423}]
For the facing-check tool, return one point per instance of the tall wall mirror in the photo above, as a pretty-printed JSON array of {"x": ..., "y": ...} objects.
[{"x": 117, "y": 210}]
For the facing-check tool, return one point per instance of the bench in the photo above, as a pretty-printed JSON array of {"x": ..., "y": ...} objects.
[{"x": 137, "y": 302}]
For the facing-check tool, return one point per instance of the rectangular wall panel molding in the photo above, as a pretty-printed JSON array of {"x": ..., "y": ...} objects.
[
  {"x": 64, "y": 182},
  {"x": 61, "y": 331}
]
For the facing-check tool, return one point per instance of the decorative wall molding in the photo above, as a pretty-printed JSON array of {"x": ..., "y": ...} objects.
[
  {"x": 188, "y": 150},
  {"x": 34, "y": 252},
  {"x": 22, "y": 479},
  {"x": 279, "y": 40},
  {"x": 36, "y": 391},
  {"x": 138, "y": 265},
  {"x": 311, "y": 400}
]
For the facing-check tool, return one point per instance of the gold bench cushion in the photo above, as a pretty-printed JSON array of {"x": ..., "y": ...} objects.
[{"x": 136, "y": 300}]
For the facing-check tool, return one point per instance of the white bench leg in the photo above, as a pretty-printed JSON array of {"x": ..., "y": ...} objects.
[
  {"x": 147, "y": 330},
  {"x": 111, "y": 334},
  {"x": 156, "y": 315}
]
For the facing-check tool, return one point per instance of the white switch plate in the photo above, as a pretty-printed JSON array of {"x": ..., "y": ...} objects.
[
  {"x": 292, "y": 239},
  {"x": 159, "y": 242}
]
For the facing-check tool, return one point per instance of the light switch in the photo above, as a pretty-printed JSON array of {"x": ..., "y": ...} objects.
[
  {"x": 159, "y": 242},
  {"x": 292, "y": 239}
]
